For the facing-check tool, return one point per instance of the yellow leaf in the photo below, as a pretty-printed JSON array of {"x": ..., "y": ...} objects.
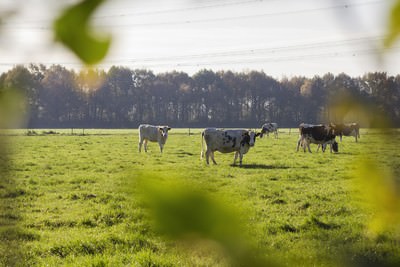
[
  {"x": 394, "y": 25},
  {"x": 379, "y": 192}
]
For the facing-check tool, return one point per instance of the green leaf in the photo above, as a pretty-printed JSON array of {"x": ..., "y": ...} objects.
[
  {"x": 394, "y": 25},
  {"x": 73, "y": 30},
  {"x": 181, "y": 212}
]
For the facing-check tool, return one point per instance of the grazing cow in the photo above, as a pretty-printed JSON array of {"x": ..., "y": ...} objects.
[
  {"x": 347, "y": 129},
  {"x": 316, "y": 134},
  {"x": 226, "y": 141},
  {"x": 153, "y": 134},
  {"x": 269, "y": 127}
]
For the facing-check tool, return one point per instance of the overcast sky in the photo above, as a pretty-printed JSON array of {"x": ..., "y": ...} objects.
[{"x": 279, "y": 37}]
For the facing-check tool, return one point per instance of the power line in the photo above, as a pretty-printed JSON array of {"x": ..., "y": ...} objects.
[
  {"x": 214, "y": 5},
  {"x": 245, "y": 17},
  {"x": 276, "y": 53},
  {"x": 245, "y": 61},
  {"x": 166, "y": 11},
  {"x": 247, "y": 54},
  {"x": 259, "y": 51},
  {"x": 207, "y": 20},
  {"x": 234, "y": 62}
]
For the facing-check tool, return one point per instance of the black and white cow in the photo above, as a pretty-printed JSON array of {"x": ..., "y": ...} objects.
[
  {"x": 227, "y": 141},
  {"x": 269, "y": 127},
  {"x": 347, "y": 129},
  {"x": 153, "y": 134},
  {"x": 316, "y": 134}
]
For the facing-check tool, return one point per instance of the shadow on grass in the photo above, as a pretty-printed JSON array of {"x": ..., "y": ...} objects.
[
  {"x": 260, "y": 166},
  {"x": 184, "y": 154}
]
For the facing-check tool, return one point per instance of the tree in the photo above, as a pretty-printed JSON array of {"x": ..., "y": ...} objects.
[
  {"x": 210, "y": 95},
  {"x": 89, "y": 82},
  {"x": 143, "y": 81},
  {"x": 21, "y": 79},
  {"x": 60, "y": 97}
]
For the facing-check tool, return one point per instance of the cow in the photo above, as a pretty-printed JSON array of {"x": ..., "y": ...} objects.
[
  {"x": 347, "y": 129},
  {"x": 269, "y": 127},
  {"x": 316, "y": 134},
  {"x": 153, "y": 134},
  {"x": 227, "y": 141}
]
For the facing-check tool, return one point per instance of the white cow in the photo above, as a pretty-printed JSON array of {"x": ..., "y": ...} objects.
[
  {"x": 153, "y": 134},
  {"x": 227, "y": 141},
  {"x": 269, "y": 127}
]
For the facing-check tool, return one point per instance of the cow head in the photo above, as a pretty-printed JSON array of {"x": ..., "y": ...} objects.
[
  {"x": 164, "y": 130},
  {"x": 266, "y": 128},
  {"x": 335, "y": 147},
  {"x": 249, "y": 138}
]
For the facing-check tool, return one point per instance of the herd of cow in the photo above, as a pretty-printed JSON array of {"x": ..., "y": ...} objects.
[{"x": 240, "y": 140}]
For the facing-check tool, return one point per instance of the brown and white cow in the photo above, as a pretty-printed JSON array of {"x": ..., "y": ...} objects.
[
  {"x": 316, "y": 134},
  {"x": 153, "y": 134},
  {"x": 269, "y": 127},
  {"x": 347, "y": 129},
  {"x": 227, "y": 141}
]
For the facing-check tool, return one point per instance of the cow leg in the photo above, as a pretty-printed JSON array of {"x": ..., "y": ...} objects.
[
  {"x": 323, "y": 147},
  {"x": 140, "y": 145},
  {"x": 308, "y": 146},
  {"x": 298, "y": 144},
  {"x": 161, "y": 147},
  {"x": 240, "y": 158},
  {"x": 207, "y": 156},
  {"x": 212, "y": 157},
  {"x": 235, "y": 158},
  {"x": 302, "y": 141},
  {"x": 145, "y": 145}
]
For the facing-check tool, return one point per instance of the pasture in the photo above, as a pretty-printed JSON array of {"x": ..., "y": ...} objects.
[{"x": 73, "y": 200}]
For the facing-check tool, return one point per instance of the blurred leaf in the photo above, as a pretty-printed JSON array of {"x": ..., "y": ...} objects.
[
  {"x": 185, "y": 213},
  {"x": 380, "y": 193},
  {"x": 347, "y": 108},
  {"x": 182, "y": 213},
  {"x": 394, "y": 25},
  {"x": 6, "y": 14},
  {"x": 11, "y": 251},
  {"x": 12, "y": 109},
  {"x": 73, "y": 30}
]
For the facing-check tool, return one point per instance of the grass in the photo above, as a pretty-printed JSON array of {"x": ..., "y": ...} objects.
[{"x": 73, "y": 200}]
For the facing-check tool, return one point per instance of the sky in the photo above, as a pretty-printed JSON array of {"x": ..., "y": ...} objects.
[{"x": 283, "y": 38}]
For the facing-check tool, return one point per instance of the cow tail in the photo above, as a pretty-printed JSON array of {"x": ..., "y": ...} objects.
[{"x": 202, "y": 145}]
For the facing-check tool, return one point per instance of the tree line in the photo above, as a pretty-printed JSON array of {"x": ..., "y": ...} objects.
[{"x": 56, "y": 97}]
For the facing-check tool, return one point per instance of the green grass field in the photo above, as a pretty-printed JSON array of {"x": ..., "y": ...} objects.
[{"x": 79, "y": 200}]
